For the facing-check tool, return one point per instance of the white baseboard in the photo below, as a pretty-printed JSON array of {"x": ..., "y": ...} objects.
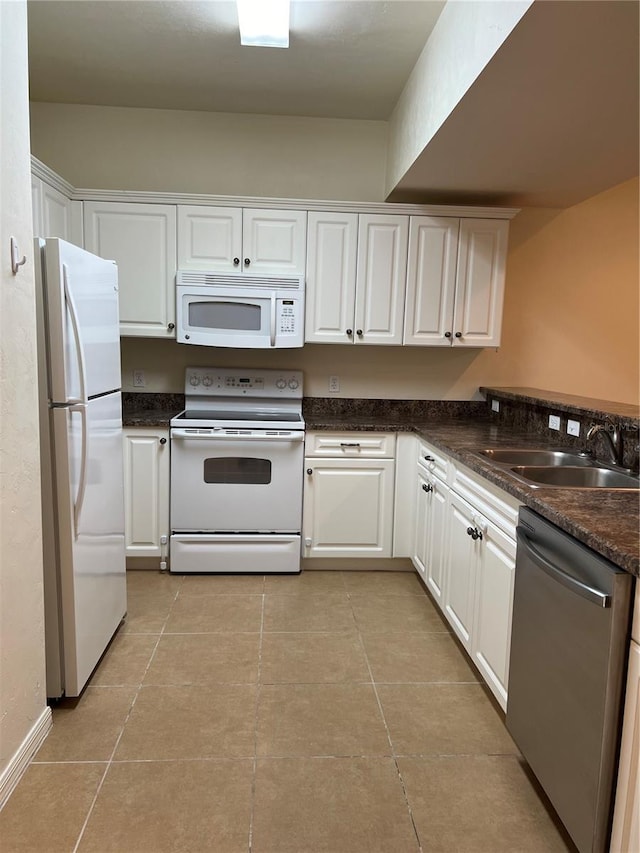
[{"x": 12, "y": 773}]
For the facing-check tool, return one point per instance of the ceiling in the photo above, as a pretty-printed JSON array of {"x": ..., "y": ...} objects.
[
  {"x": 552, "y": 119},
  {"x": 347, "y": 58}
]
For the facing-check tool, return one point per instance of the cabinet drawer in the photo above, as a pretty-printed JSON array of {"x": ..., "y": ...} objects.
[
  {"x": 495, "y": 504},
  {"x": 433, "y": 460},
  {"x": 354, "y": 445}
]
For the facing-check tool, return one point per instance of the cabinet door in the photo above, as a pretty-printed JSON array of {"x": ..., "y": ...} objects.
[
  {"x": 331, "y": 277},
  {"x": 381, "y": 278},
  {"x": 55, "y": 215},
  {"x": 493, "y": 608},
  {"x": 146, "y": 490},
  {"x": 420, "y": 546},
  {"x": 626, "y": 818},
  {"x": 274, "y": 241},
  {"x": 482, "y": 250},
  {"x": 437, "y": 538},
  {"x": 209, "y": 238},
  {"x": 141, "y": 239},
  {"x": 431, "y": 280},
  {"x": 348, "y": 507},
  {"x": 462, "y": 556}
]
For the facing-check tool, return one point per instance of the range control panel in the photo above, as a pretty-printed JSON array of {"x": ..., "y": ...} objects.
[{"x": 249, "y": 382}]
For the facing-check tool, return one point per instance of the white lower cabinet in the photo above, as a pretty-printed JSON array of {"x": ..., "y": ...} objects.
[
  {"x": 146, "y": 491},
  {"x": 464, "y": 549},
  {"x": 432, "y": 500},
  {"x": 348, "y": 495}
]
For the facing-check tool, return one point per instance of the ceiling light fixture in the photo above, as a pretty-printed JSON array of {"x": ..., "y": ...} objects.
[{"x": 264, "y": 23}]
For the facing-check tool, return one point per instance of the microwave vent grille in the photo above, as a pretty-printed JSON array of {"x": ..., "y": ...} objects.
[{"x": 203, "y": 278}]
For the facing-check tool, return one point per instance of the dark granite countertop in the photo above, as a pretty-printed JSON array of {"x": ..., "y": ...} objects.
[
  {"x": 605, "y": 520},
  {"x": 569, "y": 403}
]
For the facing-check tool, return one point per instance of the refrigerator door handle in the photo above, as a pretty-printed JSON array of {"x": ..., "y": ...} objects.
[
  {"x": 82, "y": 480},
  {"x": 73, "y": 314}
]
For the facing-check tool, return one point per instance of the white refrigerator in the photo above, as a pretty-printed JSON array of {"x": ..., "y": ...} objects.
[{"x": 81, "y": 459}]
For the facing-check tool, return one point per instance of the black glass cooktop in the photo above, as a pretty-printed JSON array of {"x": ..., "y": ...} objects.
[{"x": 245, "y": 415}]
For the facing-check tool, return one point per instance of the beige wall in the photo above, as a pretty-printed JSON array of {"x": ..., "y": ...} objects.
[
  {"x": 570, "y": 323},
  {"x": 219, "y": 153},
  {"x": 463, "y": 41},
  {"x": 22, "y": 662}
]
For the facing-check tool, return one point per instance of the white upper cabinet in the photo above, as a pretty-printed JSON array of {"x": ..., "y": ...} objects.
[
  {"x": 209, "y": 238},
  {"x": 482, "y": 250},
  {"x": 253, "y": 241},
  {"x": 141, "y": 239},
  {"x": 381, "y": 278},
  {"x": 274, "y": 241},
  {"x": 431, "y": 280},
  {"x": 54, "y": 214},
  {"x": 455, "y": 281},
  {"x": 331, "y": 277}
]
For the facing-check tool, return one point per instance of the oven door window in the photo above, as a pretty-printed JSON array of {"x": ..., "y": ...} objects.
[
  {"x": 237, "y": 470},
  {"x": 225, "y": 315}
]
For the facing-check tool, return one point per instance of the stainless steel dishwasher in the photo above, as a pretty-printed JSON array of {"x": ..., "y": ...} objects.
[{"x": 569, "y": 643}]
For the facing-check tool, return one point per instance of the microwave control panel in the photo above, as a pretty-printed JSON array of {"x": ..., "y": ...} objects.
[{"x": 287, "y": 324}]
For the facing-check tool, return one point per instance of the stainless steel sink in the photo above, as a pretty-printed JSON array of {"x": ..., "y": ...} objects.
[
  {"x": 585, "y": 477},
  {"x": 536, "y": 457},
  {"x": 558, "y": 469}
]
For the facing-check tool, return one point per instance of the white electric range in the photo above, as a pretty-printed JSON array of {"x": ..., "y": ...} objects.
[{"x": 237, "y": 455}]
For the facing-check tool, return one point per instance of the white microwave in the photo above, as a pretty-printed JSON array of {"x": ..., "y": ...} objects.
[{"x": 217, "y": 310}]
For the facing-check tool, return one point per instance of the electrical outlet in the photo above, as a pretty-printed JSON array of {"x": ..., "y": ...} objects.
[
  {"x": 495, "y": 405},
  {"x": 334, "y": 384},
  {"x": 573, "y": 427},
  {"x": 138, "y": 379},
  {"x": 554, "y": 422}
]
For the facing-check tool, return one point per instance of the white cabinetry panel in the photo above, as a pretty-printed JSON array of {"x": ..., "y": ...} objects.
[
  {"x": 274, "y": 241},
  {"x": 626, "y": 819},
  {"x": 141, "y": 239},
  {"x": 331, "y": 277},
  {"x": 209, "y": 238},
  {"x": 146, "y": 484},
  {"x": 381, "y": 278}
]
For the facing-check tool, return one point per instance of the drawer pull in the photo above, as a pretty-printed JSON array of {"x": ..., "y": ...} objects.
[
  {"x": 349, "y": 444},
  {"x": 429, "y": 458}
]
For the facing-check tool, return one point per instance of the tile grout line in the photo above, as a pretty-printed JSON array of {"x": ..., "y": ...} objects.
[
  {"x": 119, "y": 738},
  {"x": 386, "y": 728},
  {"x": 255, "y": 722}
]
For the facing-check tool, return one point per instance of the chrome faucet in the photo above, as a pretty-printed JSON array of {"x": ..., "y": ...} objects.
[{"x": 612, "y": 433}]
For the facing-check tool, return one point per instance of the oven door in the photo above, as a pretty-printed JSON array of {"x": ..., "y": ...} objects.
[
  {"x": 233, "y": 317},
  {"x": 226, "y": 483}
]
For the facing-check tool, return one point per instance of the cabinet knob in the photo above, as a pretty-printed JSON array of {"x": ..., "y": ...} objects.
[
  {"x": 171, "y": 327},
  {"x": 309, "y": 470},
  {"x": 474, "y": 533},
  {"x": 349, "y": 332},
  {"x": 247, "y": 261},
  {"x": 458, "y": 334},
  {"x": 359, "y": 332},
  {"x": 236, "y": 261},
  {"x": 163, "y": 441},
  {"x": 427, "y": 487},
  {"x": 447, "y": 334}
]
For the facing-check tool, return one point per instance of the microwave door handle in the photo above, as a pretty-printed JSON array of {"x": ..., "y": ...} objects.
[{"x": 274, "y": 305}]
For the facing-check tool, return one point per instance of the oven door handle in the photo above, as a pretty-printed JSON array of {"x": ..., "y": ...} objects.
[{"x": 184, "y": 435}]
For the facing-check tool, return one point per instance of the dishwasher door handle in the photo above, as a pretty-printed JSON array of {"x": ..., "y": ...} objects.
[{"x": 595, "y": 596}]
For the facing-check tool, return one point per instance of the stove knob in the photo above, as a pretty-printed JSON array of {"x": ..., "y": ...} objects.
[
  {"x": 207, "y": 381},
  {"x": 195, "y": 380},
  {"x": 280, "y": 383},
  {"x": 293, "y": 384}
]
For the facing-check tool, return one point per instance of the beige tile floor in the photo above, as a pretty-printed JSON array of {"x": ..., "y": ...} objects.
[{"x": 328, "y": 712}]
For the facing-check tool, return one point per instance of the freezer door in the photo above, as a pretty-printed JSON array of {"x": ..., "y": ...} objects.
[
  {"x": 83, "y": 335},
  {"x": 90, "y": 512}
]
